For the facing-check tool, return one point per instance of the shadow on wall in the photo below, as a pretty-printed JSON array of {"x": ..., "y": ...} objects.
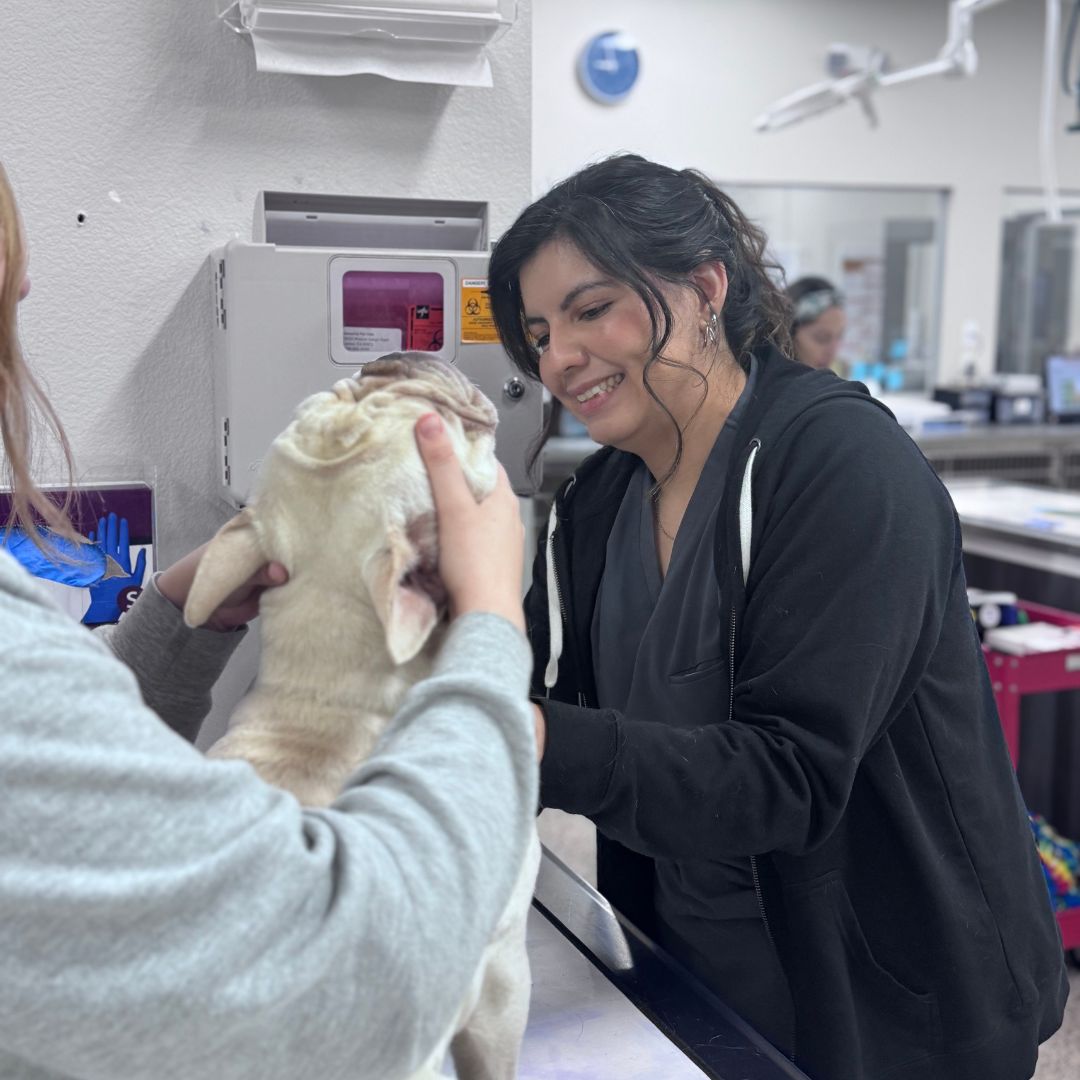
[
  {"x": 202, "y": 64},
  {"x": 170, "y": 389}
]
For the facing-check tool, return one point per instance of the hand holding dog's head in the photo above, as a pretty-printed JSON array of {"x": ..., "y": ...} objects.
[{"x": 344, "y": 500}]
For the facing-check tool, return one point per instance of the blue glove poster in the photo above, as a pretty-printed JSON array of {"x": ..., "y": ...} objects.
[{"x": 103, "y": 574}]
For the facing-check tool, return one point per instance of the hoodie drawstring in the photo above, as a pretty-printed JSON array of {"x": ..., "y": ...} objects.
[
  {"x": 555, "y": 626},
  {"x": 746, "y": 512}
]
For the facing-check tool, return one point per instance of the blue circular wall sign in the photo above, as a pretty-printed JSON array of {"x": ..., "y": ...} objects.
[{"x": 608, "y": 66}]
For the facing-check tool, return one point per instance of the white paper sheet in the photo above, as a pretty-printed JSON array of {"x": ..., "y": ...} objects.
[
  {"x": 470, "y": 7},
  {"x": 312, "y": 54}
]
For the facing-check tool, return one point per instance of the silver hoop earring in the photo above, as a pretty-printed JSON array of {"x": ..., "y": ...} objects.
[{"x": 710, "y": 331}]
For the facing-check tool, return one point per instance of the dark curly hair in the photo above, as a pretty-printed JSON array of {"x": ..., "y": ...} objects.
[{"x": 643, "y": 223}]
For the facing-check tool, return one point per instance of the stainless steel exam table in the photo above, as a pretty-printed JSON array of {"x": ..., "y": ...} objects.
[{"x": 607, "y": 1004}]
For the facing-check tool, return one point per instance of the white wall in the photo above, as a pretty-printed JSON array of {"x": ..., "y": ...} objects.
[
  {"x": 151, "y": 120},
  {"x": 710, "y": 67}
]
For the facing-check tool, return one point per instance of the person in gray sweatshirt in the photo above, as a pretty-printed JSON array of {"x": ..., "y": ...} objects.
[{"x": 169, "y": 917}]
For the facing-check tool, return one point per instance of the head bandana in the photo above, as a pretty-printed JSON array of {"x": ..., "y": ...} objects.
[{"x": 813, "y": 305}]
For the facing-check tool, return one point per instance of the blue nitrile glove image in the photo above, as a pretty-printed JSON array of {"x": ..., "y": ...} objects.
[
  {"x": 90, "y": 562},
  {"x": 114, "y": 593}
]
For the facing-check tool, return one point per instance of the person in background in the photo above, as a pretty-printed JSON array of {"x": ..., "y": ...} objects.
[
  {"x": 818, "y": 322},
  {"x": 167, "y": 917},
  {"x": 755, "y": 665}
]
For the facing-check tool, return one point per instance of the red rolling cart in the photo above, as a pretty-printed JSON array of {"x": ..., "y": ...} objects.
[{"x": 1013, "y": 677}]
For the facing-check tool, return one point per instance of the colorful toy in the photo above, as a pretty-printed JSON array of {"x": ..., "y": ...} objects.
[{"x": 1060, "y": 860}]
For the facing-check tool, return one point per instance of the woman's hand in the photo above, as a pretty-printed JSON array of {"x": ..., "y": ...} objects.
[
  {"x": 239, "y": 607},
  {"x": 481, "y": 545}
]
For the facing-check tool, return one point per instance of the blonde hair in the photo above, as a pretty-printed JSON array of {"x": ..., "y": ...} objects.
[{"x": 22, "y": 401}]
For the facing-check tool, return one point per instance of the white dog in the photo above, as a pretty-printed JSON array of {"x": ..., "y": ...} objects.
[{"x": 345, "y": 505}]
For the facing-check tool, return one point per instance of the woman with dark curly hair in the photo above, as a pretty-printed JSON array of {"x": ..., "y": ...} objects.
[{"x": 755, "y": 666}]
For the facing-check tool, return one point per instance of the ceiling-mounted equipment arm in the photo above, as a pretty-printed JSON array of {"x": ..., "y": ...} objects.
[{"x": 957, "y": 57}]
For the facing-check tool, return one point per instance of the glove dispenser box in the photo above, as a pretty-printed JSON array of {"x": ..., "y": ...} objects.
[{"x": 329, "y": 283}]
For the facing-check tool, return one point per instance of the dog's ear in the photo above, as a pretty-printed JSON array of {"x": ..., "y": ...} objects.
[
  {"x": 229, "y": 560},
  {"x": 406, "y": 592}
]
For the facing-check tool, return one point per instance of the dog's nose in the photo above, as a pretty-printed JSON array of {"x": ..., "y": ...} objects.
[{"x": 347, "y": 390}]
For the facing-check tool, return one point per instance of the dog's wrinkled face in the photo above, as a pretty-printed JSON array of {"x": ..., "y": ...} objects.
[
  {"x": 344, "y": 499},
  {"x": 362, "y": 415}
]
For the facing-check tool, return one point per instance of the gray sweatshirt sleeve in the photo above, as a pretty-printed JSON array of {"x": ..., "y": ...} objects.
[
  {"x": 165, "y": 916},
  {"x": 176, "y": 667}
]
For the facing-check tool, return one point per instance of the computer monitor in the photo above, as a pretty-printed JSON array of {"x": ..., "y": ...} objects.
[{"x": 1063, "y": 388}]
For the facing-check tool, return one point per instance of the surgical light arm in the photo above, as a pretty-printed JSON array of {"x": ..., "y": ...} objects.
[{"x": 957, "y": 57}]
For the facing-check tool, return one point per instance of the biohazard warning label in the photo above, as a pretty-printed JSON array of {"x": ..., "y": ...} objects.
[
  {"x": 425, "y": 328},
  {"x": 477, "y": 325}
]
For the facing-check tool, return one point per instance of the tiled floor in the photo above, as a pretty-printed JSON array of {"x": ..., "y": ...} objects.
[
  {"x": 574, "y": 841},
  {"x": 1059, "y": 1057}
]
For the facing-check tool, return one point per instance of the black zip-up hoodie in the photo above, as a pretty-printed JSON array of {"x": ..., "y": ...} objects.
[{"x": 856, "y": 756}]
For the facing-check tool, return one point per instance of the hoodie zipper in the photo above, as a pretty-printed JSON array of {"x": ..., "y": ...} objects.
[
  {"x": 753, "y": 858},
  {"x": 756, "y": 880}
]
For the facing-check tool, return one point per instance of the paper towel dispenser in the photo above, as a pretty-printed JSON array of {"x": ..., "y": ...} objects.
[
  {"x": 331, "y": 282},
  {"x": 432, "y": 41}
]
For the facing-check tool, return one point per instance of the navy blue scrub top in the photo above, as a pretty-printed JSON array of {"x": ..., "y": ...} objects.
[
  {"x": 661, "y": 653},
  {"x": 656, "y": 641}
]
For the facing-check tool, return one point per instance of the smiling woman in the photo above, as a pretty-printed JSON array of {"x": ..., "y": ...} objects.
[
  {"x": 822, "y": 827},
  {"x": 655, "y": 253},
  {"x": 594, "y": 340}
]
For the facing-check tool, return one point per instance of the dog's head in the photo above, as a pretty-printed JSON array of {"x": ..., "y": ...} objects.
[{"x": 344, "y": 502}]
